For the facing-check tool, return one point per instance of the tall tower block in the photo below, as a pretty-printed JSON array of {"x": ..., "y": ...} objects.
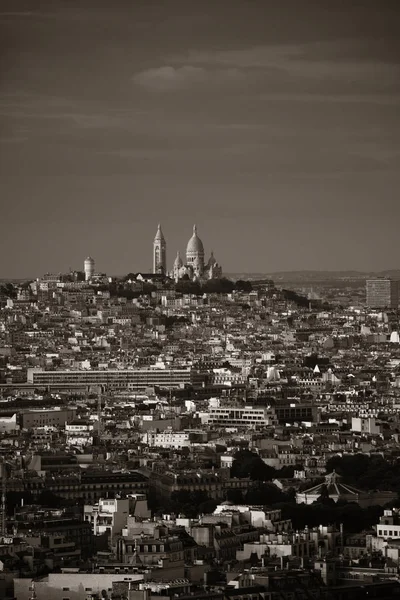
[
  {"x": 89, "y": 268},
  {"x": 159, "y": 252}
]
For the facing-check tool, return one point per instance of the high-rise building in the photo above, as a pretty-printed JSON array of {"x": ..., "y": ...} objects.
[
  {"x": 159, "y": 252},
  {"x": 382, "y": 292},
  {"x": 89, "y": 268}
]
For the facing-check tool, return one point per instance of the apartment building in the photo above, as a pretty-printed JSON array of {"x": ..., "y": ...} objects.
[
  {"x": 112, "y": 379},
  {"x": 36, "y": 417},
  {"x": 247, "y": 417},
  {"x": 382, "y": 292},
  {"x": 167, "y": 439},
  {"x": 79, "y": 433},
  {"x": 108, "y": 516}
]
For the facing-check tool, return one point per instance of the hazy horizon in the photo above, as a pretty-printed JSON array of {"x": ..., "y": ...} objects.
[{"x": 274, "y": 126}]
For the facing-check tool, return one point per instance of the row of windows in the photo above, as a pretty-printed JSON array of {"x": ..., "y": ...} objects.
[
  {"x": 152, "y": 549},
  {"x": 223, "y": 411},
  {"x": 66, "y": 589},
  {"x": 291, "y": 411},
  {"x": 237, "y": 421},
  {"x": 237, "y": 417},
  {"x": 90, "y": 376},
  {"x": 388, "y": 533},
  {"x": 169, "y": 436}
]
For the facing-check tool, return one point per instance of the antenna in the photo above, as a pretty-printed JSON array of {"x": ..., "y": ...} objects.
[
  {"x": 33, "y": 594},
  {"x": 3, "y": 497},
  {"x": 99, "y": 415}
]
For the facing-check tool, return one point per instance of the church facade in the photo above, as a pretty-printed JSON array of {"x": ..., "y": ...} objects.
[{"x": 195, "y": 267}]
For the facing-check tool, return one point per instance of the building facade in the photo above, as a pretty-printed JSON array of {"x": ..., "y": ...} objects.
[
  {"x": 195, "y": 266},
  {"x": 241, "y": 417},
  {"x": 109, "y": 516},
  {"x": 382, "y": 292},
  {"x": 132, "y": 379}
]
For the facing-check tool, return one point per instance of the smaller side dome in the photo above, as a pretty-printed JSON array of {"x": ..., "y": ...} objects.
[
  {"x": 178, "y": 261},
  {"x": 211, "y": 261}
]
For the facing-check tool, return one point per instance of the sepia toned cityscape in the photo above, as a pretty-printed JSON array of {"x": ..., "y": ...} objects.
[
  {"x": 199, "y": 300},
  {"x": 181, "y": 433}
]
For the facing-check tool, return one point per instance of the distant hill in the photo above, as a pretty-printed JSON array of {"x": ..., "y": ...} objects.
[{"x": 309, "y": 276}]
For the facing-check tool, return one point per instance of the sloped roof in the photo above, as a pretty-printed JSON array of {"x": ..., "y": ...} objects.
[{"x": 333, "y": 486}]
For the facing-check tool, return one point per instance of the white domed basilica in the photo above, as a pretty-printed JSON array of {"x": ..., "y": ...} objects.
[{"x": 195, "y": 266}]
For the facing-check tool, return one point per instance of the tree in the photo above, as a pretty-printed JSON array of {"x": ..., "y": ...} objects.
[
  {"x": 173, "y": 320},
  {"x": 243, "y": 286},
  {"x": 265, "y": 494},
  {"x": 235, "y": 496},
  {"x": 300, "y": 301},
  {"x": 208, "y": 506},
  {"x": 366, "y": 472},
  {"x": 8, "y": 289},
  {"x": 49, "y": 499},
  {"x": 148, "y": 288},
  {"x": 13, "y": 500},
  {"x": 249, "y": 464},
  {"x": 191, "y": 504},
  {"x": 185, "y": 286},
  {"x": 218, "y": 286}
]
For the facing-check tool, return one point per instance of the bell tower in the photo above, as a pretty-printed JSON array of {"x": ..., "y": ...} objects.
[{"x": 159, "y": 252}]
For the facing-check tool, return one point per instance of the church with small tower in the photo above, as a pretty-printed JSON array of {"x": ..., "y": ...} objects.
[{"x": 195, "y": 267}]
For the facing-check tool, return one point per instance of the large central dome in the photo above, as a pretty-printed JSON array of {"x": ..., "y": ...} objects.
[{"x": 195, "y": 246}]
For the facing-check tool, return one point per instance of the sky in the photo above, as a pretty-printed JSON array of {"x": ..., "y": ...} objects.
[{"x": 274, "y": 125}]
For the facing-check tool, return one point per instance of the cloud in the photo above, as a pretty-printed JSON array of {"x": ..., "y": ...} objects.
[
  {"x": 26, "y": 15},
  {"x": 17, "y": 14},
  {"x": 388, "y": 99},
  {"x": 348, "y": 60},
  {"x": 13, "y": 139},
  {"x": 170, "y": 77},
  {"x": 45, "y": 113}
]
